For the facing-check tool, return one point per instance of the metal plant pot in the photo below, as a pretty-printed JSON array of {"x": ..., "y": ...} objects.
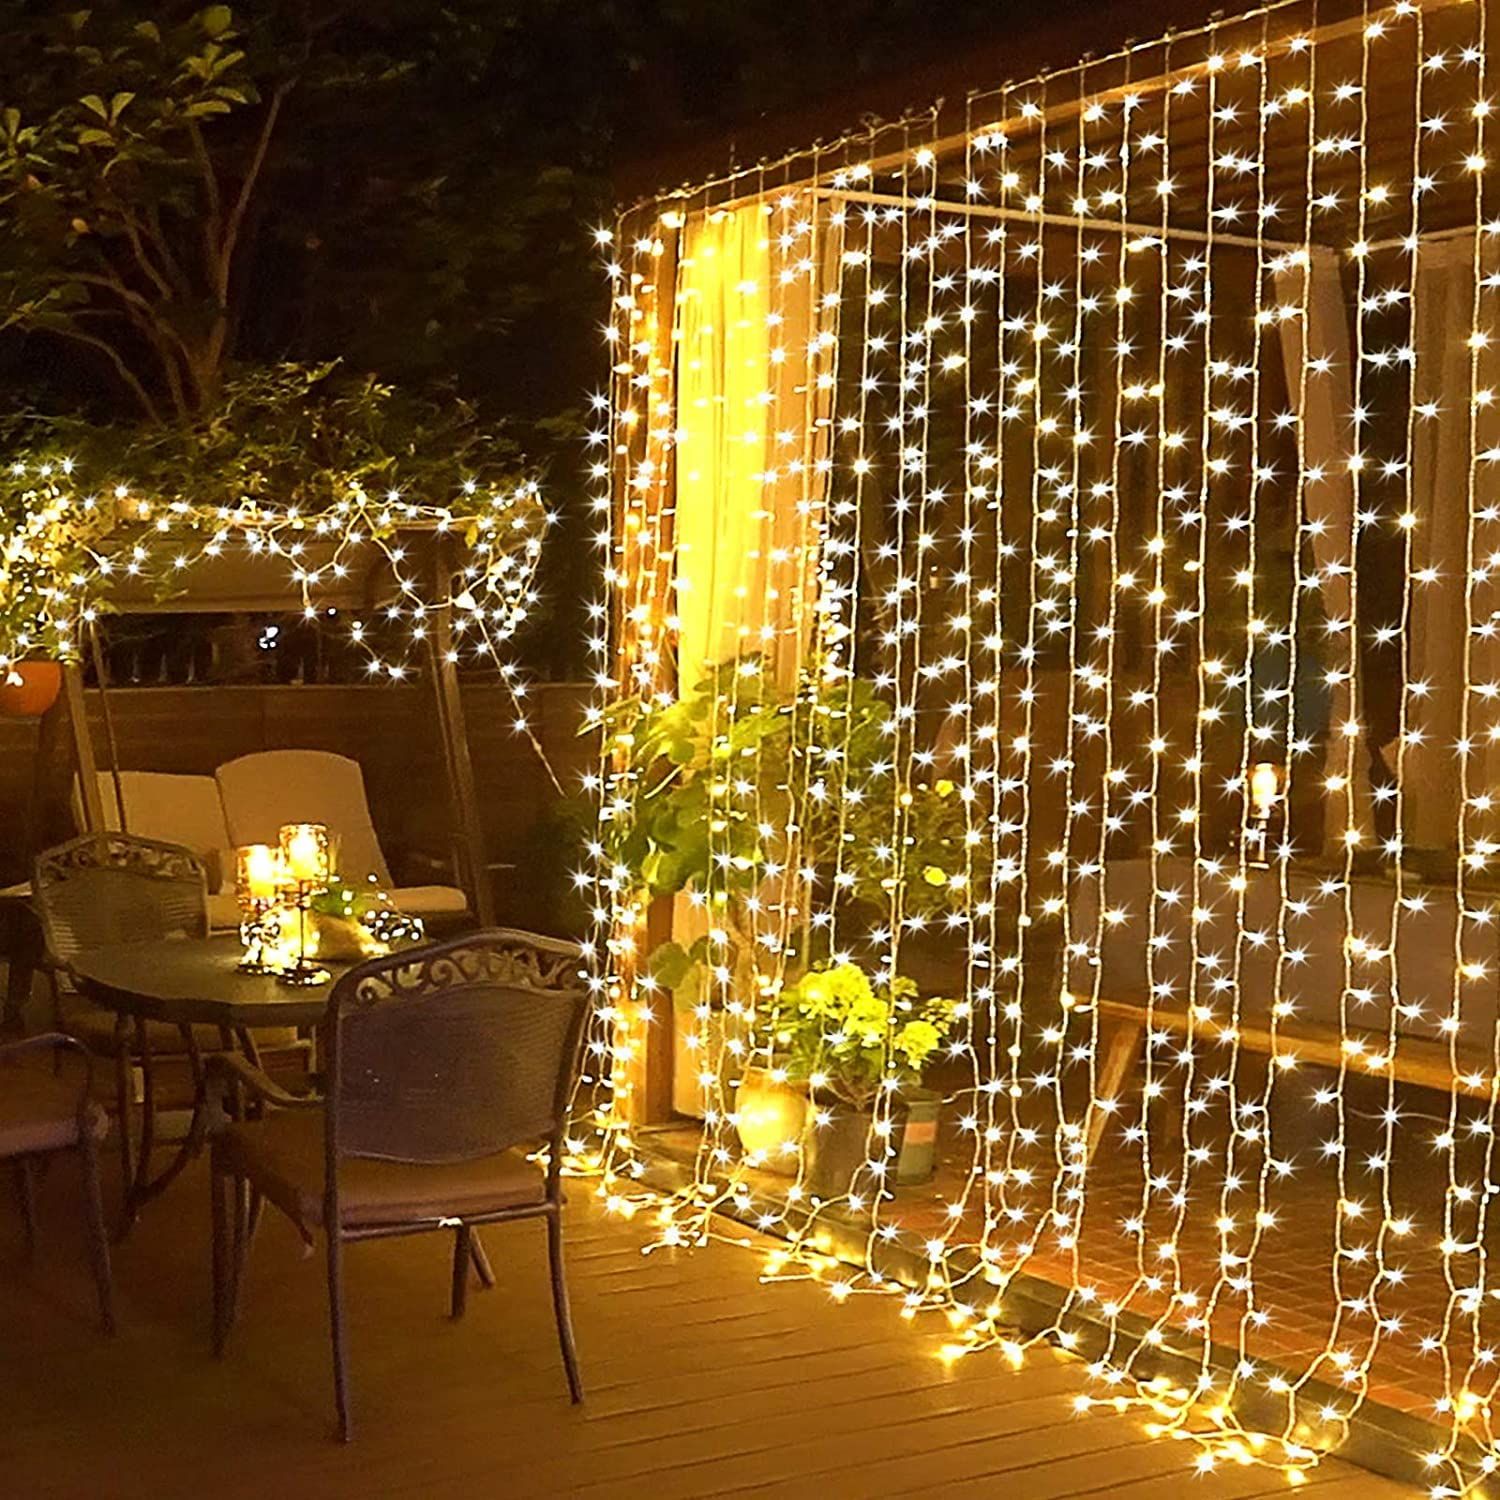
[
  {"x": 917, "y": 1123},
  {"x": 838, "y": 1153}
]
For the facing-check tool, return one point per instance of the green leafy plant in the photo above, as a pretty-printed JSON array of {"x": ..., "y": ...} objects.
[
  {"x": 738, "y": 786},
  {"x": 847, "y": 1036},
  {"x": 111, "y": 147},
  {"x": 735, "y": 781},
  {"x": 293, "y": 456}
]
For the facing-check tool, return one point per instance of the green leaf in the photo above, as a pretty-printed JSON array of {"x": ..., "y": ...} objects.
[
  {"x": 216, "y": 19},
  {"x": 96, "y": 104},
  {"x": 93, "y": 136},
  {"x": 669, "y": 963},
  {"x": 117, "y": 106},
  {"x": 147, "y": 31}
]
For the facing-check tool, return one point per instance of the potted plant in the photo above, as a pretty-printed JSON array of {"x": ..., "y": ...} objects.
[
  {"x": 701, "y": 809},
  {"x": 858, "y": 1047}
]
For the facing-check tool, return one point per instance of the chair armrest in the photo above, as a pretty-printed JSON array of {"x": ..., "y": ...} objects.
[
  {"x": 57, "y": 1041},
  {"x": 46, "y": 1041},
  {"x": 238, "y": 1072}
]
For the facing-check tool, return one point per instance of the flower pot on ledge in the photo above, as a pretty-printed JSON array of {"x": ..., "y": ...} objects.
[
  {"x": 29, "y": 688},
  {"x": 838, "y": 1153}
]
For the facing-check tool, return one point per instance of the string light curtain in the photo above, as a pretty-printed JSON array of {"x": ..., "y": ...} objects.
[{"x": 1136, "y": 459}]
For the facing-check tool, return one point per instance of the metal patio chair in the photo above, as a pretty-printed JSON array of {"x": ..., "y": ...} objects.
[
  {"x": 442, "y": 1066},
  {"x": 107, "y": 888},
  {"x": 44, "y": 1112},
  {"x": 116, "y": 888}
]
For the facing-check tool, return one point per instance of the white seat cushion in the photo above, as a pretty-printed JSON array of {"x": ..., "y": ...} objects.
[
  {"x": 175, "y": 809},
  {"x": 224, "y": 911},
  {"x": 430, "y": 900},
  {"x": 261, "y": 792}
]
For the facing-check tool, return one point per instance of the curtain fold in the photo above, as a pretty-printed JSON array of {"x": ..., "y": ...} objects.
[
  {"x": 1319, "y": 379},
  {"x": 756, "y": 356},
  {"x": 1455, "y": 385},
  {"x": 754, "y": 384}
]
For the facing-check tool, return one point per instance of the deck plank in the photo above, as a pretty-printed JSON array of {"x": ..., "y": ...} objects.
[{"x": 703, "y": 1381}]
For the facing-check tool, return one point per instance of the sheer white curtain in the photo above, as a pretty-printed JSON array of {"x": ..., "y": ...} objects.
[{"x": 1445, "y": 397}]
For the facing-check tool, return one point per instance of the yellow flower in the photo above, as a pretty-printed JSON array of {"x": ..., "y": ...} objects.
[
  {"x": 943, "y": 788},
  {"x": 934, "y": 876}
]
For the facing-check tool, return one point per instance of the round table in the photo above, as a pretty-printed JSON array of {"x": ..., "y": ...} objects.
[
  {"x": 196, "y": 982},
  {"x": 188, "y": 982}
]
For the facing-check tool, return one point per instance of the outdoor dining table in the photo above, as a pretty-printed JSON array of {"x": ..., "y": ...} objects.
[{"x": 187, "y": 983}]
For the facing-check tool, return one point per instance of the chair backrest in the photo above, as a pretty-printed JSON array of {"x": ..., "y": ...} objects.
[
  {"x": 174, "y": 808},
  {"x": 448, "y": 1053},
  {"x": 116, "y": 888},
  {"x": 260, "y": 792}
]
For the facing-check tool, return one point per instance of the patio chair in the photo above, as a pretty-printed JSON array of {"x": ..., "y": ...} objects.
[
  {"x": 116, "y": 888},
  {"x": 175, "y": 809},
  {"x": 260, "y": 792},
  {"x": 442, "y": 1065},
  {"x": 46, "y": 1110}
]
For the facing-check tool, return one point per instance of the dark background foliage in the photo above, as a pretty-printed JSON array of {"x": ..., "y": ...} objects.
[{"x": 423, "y": 210}]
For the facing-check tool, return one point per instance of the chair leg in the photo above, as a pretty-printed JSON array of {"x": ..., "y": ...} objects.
[
  {"x": 462, "y": 1254},
  {"x": 336, "y": 1330},
  {"x": 93, "y": 1201},
  {"x": 124, "y": 1103},
  {"x": 241, "y": 1194},
  {"x": 560, "y": 1304},
  {"x": 218, "y": 1185},
  {"x": 26, "y": 1192},
  {"x": 257, "y": 1203},
  {"x": 148, "y": 1104},
  {"x": 482, "y": 1266}
]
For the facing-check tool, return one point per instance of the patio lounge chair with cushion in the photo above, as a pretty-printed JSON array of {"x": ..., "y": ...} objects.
[
  {"x": 177, "y": 809},
  {"x": 260, "y": 792},
  {"x": 45, "y": 1109},
  {"x": 443, "y": 1066}
]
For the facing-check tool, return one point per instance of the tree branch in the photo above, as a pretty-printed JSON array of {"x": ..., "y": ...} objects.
[
  {"x": 211, "y": 183},
  {"x": 126, "y": 374},
  {"x": 133, "y": 234},
  {"x": 247, "y": 187}
]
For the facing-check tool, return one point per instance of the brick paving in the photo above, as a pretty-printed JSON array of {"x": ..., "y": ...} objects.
[
  {"x": 1392, "y": 1291},
  {"x": 1302, "y": 1321}
]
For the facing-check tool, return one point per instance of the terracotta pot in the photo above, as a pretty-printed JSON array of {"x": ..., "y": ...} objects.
[
  {"x": 36, "y": 691},
  {"x": 769, "y": 1116}
]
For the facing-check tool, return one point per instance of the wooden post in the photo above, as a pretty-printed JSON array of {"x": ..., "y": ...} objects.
[
  {"x": 462, "y": 795},
  {"x": 84, "y": 764},
  {"x": 652, "y": 1094}
]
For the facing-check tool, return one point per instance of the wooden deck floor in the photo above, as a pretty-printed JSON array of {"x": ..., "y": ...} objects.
[{"x": 702, "y": 1382}]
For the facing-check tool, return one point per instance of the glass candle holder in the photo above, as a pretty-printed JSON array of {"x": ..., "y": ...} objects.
[
  {"x": 304, "y": 851},
  {"x": 257, "y": 881},
  {"x": 304, "y": 857}
]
